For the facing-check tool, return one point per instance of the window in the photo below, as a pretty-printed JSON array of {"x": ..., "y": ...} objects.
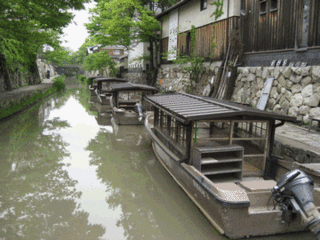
[
  {"x": 243, "y": 7},
  {"x": 263, "y": 7},
  {"x": 274, "y": 5},
  {"x": 203, "y": 5}
]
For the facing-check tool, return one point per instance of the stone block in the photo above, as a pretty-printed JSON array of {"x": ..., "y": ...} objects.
[
  {"x": 303, "y": 110},
  {"x": 287, "y": 72},
  {"x": 245, "y": 72},
  {"x": 295, "y": 78},
  {"x": 264, "y": 73},
  {"x": 296, "y": 100},
  {"x": 260, "y": 83},
  {"x": 315, "y": 72},
  {"x": 282, "y": 81},
  {"x": 282, "y": 98},
  {"x": 296, "y": 70},
  {"x": 277, "y": 108},
  {"x": 274, "y": 93},
  {"x": 296, "y": 88},
  {"x": 307, "y": 91},
  {"x": 306, "y": 118},
  {"x": 314, "y": 112},
  {"x": 276, "y": 72},
  {"x": 285, "y": 106},
  {"x": 305, "y": 71},
  {"x": 271, "y": 103},
  {"x": 305, "y": 81},
  {"x": 289, "y": 84},
  {"x": 251, "y": 77},
  {"x": 259, "y": 72},
  {"x": 311, "y": 101},
  {"x": 293, "y": 111},
  {"x": 252, "y": 70},
  {"x": 239, "y": 77}
]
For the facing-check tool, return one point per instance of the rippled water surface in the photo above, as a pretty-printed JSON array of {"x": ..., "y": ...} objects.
[{"x": 67, "y": 173}]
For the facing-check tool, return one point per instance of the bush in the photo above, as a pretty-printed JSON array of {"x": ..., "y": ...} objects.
[
  {"x": 59, "y": 83},
  {"x": 82, "y": 79}
]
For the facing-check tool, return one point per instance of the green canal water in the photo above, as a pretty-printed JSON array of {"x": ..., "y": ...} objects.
[{"x": 67, "y": 173}]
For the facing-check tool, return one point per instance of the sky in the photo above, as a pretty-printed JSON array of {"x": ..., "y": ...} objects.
[{"x": 76, "y": 34}]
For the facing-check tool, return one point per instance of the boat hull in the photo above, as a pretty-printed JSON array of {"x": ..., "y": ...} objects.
[{"x": 232, "y": 218}]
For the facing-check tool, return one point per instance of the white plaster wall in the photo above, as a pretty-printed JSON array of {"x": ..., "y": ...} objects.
[
  {"x": 138, "y": 51},
  {"x": 190, "y": 14}
]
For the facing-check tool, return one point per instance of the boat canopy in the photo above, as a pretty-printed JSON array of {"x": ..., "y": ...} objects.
[
  {"x": 116, "y": 87},
  {"x": 186, "y": 108}
]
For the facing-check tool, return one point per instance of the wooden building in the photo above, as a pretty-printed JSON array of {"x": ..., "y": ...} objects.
[
  {"x": 270, "y": 29},
  {"x": 198, "y": 13},
  {"x": 278, "y": 30}
]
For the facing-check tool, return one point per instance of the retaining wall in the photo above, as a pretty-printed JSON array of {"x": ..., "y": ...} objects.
[{"x": 295, "y": 90}]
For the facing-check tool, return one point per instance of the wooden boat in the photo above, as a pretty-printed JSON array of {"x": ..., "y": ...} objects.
[
  {"x": 125, "y": 99},
  {"x": 93, "y": 85},
  {"x": 220, "y": 154},
  {"x": 103, "y": 90}
]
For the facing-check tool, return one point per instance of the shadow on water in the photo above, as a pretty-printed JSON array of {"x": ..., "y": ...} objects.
[{"x": 67, "y": 172}]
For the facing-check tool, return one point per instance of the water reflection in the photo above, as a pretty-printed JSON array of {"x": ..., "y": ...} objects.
[
  {"x": 37, "y": 196},
  {"x": 67, "y": 172}
]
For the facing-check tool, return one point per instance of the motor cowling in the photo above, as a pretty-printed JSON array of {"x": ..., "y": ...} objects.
[
  {"x": 294, "y": 191},
  {"x": 138, "y": 108}
]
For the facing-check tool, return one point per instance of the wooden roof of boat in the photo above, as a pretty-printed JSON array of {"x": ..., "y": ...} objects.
[
  {"x": 111, "y": 79},
  {"x": 115, "y": 87},
  {"x": 186, "y": 107}
]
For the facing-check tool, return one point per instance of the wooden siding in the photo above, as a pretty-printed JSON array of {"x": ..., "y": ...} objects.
[
  {"x": 204, "y": 37},
  {"x": 314, "y": 30},
  {"x": 277, "y": 29}
]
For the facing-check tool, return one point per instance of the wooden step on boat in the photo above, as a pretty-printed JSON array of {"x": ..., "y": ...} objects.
[
  {"x": 220, "y": 153},
  {"x": 124, "y": 100}
]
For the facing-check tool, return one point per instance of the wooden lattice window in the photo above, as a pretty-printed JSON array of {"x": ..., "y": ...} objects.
[{"x": 263, "y": 7}]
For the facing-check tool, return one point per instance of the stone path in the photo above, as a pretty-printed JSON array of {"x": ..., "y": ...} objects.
[{"x": 298, "y": 137}]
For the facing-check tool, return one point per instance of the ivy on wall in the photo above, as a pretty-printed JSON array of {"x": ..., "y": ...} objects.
[{"x": 218, "y": 12}]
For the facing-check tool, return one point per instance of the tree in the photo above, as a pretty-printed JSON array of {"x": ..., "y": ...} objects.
[
  {"x": 126, "y": 23},
  {"x": 79, "y": 56},
  {"x": 26, "y": 25},
  {"x": 99, "y": 61}
]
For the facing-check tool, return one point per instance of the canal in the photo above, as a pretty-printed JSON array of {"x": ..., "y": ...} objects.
[{"x": 66, "y": 172}]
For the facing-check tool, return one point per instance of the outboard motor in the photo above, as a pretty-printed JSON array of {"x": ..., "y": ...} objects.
[
  {"x": 138, "y": 108},
  {"x": 293, "y": 193}
]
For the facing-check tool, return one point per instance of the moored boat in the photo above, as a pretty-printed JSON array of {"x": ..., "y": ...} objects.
[
  {"x": 127, "y": 102},
  {"x": 220, "y": 153},
  {"x": 103, "y": 91}
]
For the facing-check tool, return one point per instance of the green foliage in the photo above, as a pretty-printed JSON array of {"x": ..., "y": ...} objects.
[
  {"x": 79, "y": 56},
  {"x": 27, "y": 25},
  {"x": 122, "y": 22},
  {"x": 193, "y": 64},
  {"x": 83, "y": 80},
  {"x": 7, "y": 111},
  {"x": 58, "y": 56},
  {"x": 59, "y": 83},
  {"x": 99, "y": 61},
  {"x": 218, "y": 12}
]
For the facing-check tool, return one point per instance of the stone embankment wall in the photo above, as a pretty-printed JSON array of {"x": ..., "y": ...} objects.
[
  {"x": 43, "y": 67},
  {"x": 19, "y": 79},
  {"x": 173, "y": 78},
  {"x": 295, "y": 90}
]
